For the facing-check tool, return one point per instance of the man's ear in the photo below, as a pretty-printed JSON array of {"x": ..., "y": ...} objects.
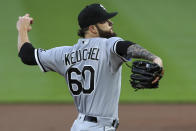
[{"x": 93, "y": 29}]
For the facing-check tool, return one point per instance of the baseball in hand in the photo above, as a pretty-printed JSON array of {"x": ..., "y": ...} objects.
[{"x": 24, "y": 23}]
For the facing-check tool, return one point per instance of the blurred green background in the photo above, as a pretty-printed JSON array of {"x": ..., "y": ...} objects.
[{"x": 165, "y": 27}]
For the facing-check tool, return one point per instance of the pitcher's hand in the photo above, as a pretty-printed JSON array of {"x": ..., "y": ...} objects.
[{"x": 24, "y": 23}]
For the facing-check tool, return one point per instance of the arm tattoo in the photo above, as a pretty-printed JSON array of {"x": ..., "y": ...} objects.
[{"x": 136, "y": 51}]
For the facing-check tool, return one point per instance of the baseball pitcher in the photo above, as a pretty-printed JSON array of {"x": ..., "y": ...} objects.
[{"x": 92, "y": 67}]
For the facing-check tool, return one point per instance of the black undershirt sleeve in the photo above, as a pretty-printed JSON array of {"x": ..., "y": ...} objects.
[
  {"x": 27, "y": 54},
  {"x": 122, "y": 46}
]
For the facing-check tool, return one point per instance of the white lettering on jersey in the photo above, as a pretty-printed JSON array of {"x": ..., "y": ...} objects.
[{"x": 79, "y": 55}]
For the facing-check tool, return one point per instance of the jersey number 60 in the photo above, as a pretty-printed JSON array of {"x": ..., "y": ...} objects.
[{"x": 78, "y": 83}]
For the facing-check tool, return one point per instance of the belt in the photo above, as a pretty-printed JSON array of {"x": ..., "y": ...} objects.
[{"x": 115, "y": 123}]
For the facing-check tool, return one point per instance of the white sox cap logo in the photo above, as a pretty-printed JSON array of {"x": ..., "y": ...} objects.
[{"x": 102, "y": 6}]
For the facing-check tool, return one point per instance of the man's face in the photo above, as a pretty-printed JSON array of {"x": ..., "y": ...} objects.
[{"x": 105, "y": 29}]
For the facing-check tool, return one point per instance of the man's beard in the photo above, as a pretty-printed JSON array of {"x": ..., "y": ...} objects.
[{"x": 105, "y": 34}]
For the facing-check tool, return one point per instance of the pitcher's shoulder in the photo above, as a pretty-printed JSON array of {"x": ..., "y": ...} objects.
[
  {"x": 114, "y": 39},
  {"x": 107, "y": 40}
]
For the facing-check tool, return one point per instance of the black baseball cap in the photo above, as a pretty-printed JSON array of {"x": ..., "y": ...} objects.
[{"x": 93, "y": 14}]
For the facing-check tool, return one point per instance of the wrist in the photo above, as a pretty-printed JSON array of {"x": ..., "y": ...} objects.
[
  {"x": 156, "y": 58},
  {"x": 22, "y": 31},
  {"x": 158, "y": 61}
]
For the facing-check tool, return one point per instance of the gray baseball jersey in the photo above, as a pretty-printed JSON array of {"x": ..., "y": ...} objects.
[{"x": 92, "y": 70}]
